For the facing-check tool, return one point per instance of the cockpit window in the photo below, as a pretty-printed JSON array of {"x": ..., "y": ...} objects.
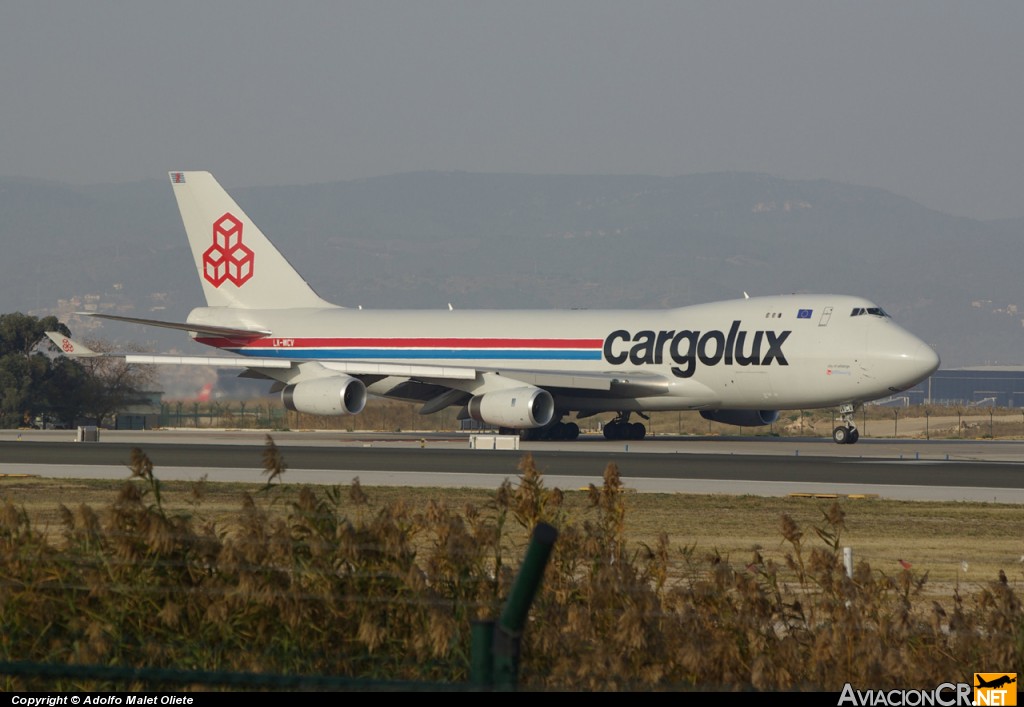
[{"x": 875, "y": 311}]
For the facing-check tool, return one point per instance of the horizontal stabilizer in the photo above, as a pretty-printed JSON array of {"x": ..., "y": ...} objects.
[{"x": 184, "y": 326}]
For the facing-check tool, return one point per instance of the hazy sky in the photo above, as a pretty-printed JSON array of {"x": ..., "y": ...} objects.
[{"x": 921, "y": 97}]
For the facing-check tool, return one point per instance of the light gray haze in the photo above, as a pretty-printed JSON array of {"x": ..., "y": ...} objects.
[{"x": 921, "y": 97}]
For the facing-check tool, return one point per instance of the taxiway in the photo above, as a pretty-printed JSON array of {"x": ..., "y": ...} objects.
[{"x": 944, "y": 470}]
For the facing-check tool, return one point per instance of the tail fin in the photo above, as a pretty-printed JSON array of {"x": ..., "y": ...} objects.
[
  {"x": 238, "y": 266},
  {"x": 70, "y": 346}
]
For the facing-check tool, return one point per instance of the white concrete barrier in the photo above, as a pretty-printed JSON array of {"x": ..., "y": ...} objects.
[{"x": 494, "y": 442}]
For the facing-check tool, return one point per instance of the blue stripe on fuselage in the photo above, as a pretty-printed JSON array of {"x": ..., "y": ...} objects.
[{"x": 421, "y": 354}]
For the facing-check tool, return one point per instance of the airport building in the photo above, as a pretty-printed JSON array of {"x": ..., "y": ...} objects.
[{"x": 993, "y": 386}]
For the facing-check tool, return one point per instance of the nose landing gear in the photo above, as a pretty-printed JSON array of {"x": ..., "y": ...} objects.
[{"x": 847, "y": 432}]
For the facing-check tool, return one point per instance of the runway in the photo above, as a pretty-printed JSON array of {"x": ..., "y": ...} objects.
[{"x": 945, "y": 470}]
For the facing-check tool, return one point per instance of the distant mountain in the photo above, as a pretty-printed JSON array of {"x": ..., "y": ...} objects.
[{"x": 511, "y": 240}]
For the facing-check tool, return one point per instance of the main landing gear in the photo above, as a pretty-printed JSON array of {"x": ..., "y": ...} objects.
[
  {"x": 618, "y": 429},
  {"x": 847, "y": 432},
  {"x": 556, "y": 432},
  {"x": 622, "y": 429}
]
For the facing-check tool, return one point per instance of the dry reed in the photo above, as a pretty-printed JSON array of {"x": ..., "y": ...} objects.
[{"x": 319, "y": 582}]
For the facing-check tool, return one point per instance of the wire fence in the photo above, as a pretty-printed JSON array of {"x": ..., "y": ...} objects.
[
  {"x": 237, "y": 414},
  {"x": 926, "y": 422}
]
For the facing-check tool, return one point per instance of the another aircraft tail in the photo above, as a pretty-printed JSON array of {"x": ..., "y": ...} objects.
[
  {"x": 238, "y": 266},
  {"x": 204, "y": 393}
]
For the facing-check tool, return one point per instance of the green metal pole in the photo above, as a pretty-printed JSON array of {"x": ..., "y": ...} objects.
[
  {"x": 517, "y": 606},
  {"x": 481, "y": 657}
]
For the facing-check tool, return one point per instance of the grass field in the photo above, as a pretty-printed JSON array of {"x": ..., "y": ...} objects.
[
  {"x": 955, "y": 543},
  {"x": 643, "y": 591}
]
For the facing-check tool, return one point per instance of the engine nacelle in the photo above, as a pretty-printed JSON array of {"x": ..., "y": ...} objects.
[
  {"x": 743, "y": 418},
  {"x": 518, "y": 408},
  {"x": 334, "y": 395}
]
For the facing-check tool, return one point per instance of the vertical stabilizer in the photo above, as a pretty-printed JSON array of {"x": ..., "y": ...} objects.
[{"x": 238, "y": 266}]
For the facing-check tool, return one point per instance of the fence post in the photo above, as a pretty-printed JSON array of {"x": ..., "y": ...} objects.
[
  {"x": 481, "y": 654},
  {"x": 509, "y": 630}
]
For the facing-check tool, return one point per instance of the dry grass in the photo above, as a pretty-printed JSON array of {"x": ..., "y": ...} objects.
[
  {"x": 937, "y": 537},
  {"x": 644, "y": 591}
]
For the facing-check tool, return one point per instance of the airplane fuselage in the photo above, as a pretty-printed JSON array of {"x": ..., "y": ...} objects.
[{"x": 781, "y": 352}]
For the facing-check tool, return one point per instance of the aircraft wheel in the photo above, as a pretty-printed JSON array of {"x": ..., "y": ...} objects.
[
  {"x": 572, "y": 431},
  {"x": 637, "y": 431},
  {"x": 612, "y": 431},
  {"x": 854, "y": 436},
  {"x": 841, "y": 435}
]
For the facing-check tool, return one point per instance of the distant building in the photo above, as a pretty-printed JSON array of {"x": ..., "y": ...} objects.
[
  {"x": 144, "y": 414},
  {"x": 994, "y": 386}
]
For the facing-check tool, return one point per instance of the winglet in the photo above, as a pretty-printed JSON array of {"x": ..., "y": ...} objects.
[{"x": 70, "y": 346}]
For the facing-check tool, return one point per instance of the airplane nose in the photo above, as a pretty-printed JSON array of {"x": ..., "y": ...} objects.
[
  {"x": 924, "y": 360},
  {"x": 901, "y": 360},
  {"x": 915, "y": 362}
]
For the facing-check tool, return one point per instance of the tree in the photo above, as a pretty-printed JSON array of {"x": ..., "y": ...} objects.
[
  {"x": 25, "y": 372},
  {"x": 22, "y": 333},
  {"x": 112, "y": 383},
  {"x": 66, "y": 391},
  {"x": 34, "y": 383}
]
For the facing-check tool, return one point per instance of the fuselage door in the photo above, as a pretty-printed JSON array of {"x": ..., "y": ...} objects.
[{"x": 826, "y": 314}]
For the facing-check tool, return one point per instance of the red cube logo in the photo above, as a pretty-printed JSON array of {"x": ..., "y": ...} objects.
[{"x": 228, "y": 258}]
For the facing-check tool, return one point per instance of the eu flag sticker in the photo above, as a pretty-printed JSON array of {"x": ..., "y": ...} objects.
[{"x": 804, "y": 313}]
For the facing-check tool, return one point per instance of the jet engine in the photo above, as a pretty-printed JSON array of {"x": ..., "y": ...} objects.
[
  {"x": 518, "y": 408},
  {"x": 743, "y": 418},
  {"x": 334, "y": 395}
]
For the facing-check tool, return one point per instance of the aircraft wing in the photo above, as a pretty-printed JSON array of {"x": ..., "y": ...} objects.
[
  {"x": 615, "y": 384},
  {"x": 648, "y": 384},
  {"x": 77, "y": 349}
]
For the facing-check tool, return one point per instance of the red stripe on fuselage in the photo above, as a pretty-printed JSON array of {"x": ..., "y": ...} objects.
[{"x": 404, "y": 342}]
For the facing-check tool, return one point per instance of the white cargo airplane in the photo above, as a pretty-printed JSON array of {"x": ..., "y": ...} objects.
[{"x": 737, "y": 362}]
